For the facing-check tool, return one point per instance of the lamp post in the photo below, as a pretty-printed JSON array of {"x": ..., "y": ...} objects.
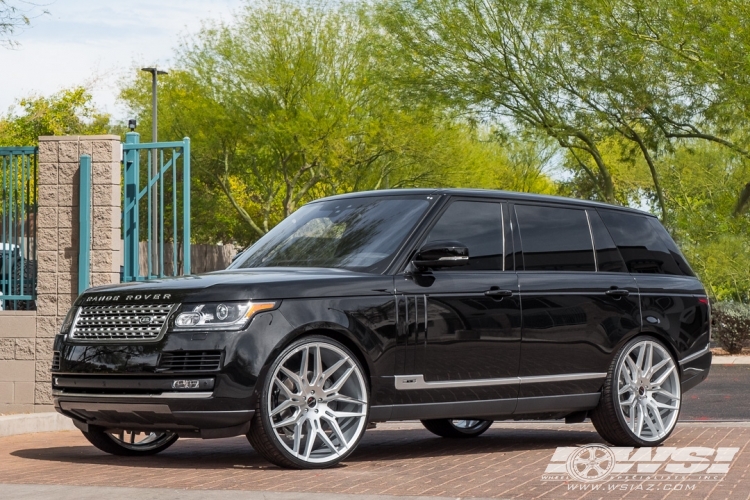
[{"x": 155, "y": 257}]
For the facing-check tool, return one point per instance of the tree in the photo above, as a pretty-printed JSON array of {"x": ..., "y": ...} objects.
[
  {"x": 652, "y": 73},
  {"x": 12, "y": 20},
  {"x": 699, "y": 181},
  {"x": 292, "y": 102},
  {"x": 501, "y": 59},
  {"x": 67, "y": 112}
]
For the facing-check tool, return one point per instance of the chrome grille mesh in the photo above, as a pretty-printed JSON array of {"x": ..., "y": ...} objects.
[{"x": 120, "y": 322}]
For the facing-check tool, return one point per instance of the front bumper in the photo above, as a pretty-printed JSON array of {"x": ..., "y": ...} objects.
[
  {"x": 131, "y": 386},
  {"x": 190, "y": 414}
]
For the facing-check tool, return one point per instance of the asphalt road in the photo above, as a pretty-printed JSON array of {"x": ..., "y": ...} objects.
[{"x": 724, "y": 395}]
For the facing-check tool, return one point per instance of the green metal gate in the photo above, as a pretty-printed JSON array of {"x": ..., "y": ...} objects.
[
  {"x": 18, "y": 166},
  {"x": 156, "y": 208}
]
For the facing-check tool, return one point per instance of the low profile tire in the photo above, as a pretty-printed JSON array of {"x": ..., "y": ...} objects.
[
  {"x": 313, "y": 406},
  {"x": 454, "y": 428},
  {"x": 640, "y": 400},
  {"x": 130, "y": 443}
]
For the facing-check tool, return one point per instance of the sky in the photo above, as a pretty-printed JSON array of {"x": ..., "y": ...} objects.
[{"x": 97, "y": 43}]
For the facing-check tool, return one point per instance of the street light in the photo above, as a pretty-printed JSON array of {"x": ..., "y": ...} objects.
[{"x": 154, "y": 171}]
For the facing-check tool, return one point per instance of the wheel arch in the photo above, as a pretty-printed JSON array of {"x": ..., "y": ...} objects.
[
  {"x": 332, "y": 331},
  {"x": 657, "y": 334}
]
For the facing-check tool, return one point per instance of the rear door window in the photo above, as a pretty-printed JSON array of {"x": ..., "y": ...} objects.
[
  {"x": 555, "y": 239},
  {"x": 640, "y": 244}
]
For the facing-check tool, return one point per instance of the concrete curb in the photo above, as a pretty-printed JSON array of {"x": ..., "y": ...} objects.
[
  {"x": 730, "y": 360},
  {"x": 27, "y": 423}
]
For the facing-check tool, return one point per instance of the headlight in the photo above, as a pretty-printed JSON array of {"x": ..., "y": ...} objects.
[
  {"x": 68, "y": 321},
  {"x": 219, "y": 315}
]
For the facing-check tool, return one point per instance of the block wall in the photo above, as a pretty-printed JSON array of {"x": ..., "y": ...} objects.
[{"x": 26, "y": 337}]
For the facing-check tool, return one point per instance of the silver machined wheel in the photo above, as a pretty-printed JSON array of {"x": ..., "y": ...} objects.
[
  {"x": 466, "y": 424},
  {"x": 317, "y": 403},
  {"x": 648, "y": 388},
  {"x": 140, "y": 441}
]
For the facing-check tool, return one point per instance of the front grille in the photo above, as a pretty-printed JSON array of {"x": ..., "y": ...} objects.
[
  {"x": 56, "y": 361},
  {"x": 190, "y": 361},
  {"x": 120, "y": 322}
]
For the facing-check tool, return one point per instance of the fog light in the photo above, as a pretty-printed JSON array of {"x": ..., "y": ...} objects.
[{"x": 185, "y": 384}]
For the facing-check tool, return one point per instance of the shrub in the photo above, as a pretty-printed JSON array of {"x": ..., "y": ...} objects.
[{"x": 731, "y": 325}]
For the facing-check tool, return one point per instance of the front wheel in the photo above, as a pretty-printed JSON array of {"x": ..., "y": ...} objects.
[
  {"x": 455, "y": 428},
  {"x": 130, "y": 443},
  {"x": 640, "y": 400},
  {"x": 313, "y": 407}
]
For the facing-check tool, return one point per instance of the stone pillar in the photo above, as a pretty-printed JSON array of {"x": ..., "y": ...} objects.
[
  {"x": 17, "y": 361},
  {"x": 57, "y": 235}
]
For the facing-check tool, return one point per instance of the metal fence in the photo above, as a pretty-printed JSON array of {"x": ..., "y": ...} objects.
[
  {"x": 18, "y": 169},
  {"x": 156, "y": 207}
]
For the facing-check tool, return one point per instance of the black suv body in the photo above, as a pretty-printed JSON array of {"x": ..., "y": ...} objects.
[{"x": 455, "y": 307}]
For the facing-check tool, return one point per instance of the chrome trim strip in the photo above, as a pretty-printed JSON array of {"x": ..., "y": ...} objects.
[
  {"x": 593, "y": 245},
  {"x": 409, "y": 382},
  {"x": 561, "y": 378},
  {"x": 163, "y": 395},
  {"x": 696, "y": 354}
]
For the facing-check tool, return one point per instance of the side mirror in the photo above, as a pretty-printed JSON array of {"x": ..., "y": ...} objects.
[{"x": 441, "y": 254}]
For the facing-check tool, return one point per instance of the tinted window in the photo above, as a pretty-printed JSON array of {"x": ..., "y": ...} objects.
[
  {"x": 555, "y": 239},
  {"x": 639, "y": 243},
  {"x": 608, "y": 258},
  {"x": 479, "y": 226},
  {"x": 672, "y": 247},
  {"x": 361, "y": 234}
]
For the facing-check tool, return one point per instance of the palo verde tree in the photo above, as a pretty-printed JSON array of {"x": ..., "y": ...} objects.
[{"x": 290, "y": 102}]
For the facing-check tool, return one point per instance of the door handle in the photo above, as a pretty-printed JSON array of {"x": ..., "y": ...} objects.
[
  {"x": 496, "y": 293},
  {"x": 618, "y": 292}
]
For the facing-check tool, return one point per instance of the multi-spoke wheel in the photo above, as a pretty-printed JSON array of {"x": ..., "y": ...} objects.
[
  {"x": 130, "y": 442},
  {"x": 456, "y": 428},
  {"x": 640, "y": 401},
  {"x": 313, "y": 407}
]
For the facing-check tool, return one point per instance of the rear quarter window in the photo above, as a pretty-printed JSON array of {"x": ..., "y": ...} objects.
[{"x": 644, "y": 244}]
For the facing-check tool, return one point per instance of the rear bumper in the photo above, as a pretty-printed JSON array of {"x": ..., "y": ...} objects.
[{"x": 694, "y": 369}]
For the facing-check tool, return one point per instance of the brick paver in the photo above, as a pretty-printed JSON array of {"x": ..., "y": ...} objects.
[{"x": 394, "y": 459}]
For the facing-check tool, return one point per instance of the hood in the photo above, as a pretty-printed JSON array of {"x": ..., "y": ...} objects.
[{"x": 243, "y": 284}]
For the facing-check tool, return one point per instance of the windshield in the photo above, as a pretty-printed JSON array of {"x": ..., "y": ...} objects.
[{"x": 360, "y": 234}]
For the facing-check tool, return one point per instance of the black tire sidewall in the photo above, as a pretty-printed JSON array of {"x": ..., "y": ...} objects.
[
  {"x": 99, "y": 437},
  {"x": 614, "y": 391},
  {"x": 265, "y": 420}
]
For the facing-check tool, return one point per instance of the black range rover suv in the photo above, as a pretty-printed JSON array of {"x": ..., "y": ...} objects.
[{"x": 453, "y": 307}]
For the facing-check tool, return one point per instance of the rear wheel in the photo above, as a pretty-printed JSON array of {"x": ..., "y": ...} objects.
[
  {"x": 640, "y": 401},
  {"x": 130, "y": 443},
  {"x": 313, "y": 408},
  {"x": 456, "y": 428}
]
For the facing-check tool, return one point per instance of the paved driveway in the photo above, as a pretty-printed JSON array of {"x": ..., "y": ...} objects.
[
  {"x": 722, "y": 396},
  {"x": 509, "y": 461},
  {"x": 512, "y": 460}
]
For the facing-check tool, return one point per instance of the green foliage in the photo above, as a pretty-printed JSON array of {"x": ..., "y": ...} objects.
[
  {"x": 731, "y": 325},
  {"x": 699, "y": 185},
  {"x": 67, "y": 112},
  {"x": 648, "y": 100},
  {"x": 291, "y": 102}
]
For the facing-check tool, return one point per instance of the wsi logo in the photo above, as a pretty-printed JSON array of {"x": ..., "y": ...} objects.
[{"x": 598, "y": 462}]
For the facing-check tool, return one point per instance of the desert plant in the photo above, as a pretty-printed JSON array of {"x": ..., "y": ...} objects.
[{"x": 731, "y": 325}]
